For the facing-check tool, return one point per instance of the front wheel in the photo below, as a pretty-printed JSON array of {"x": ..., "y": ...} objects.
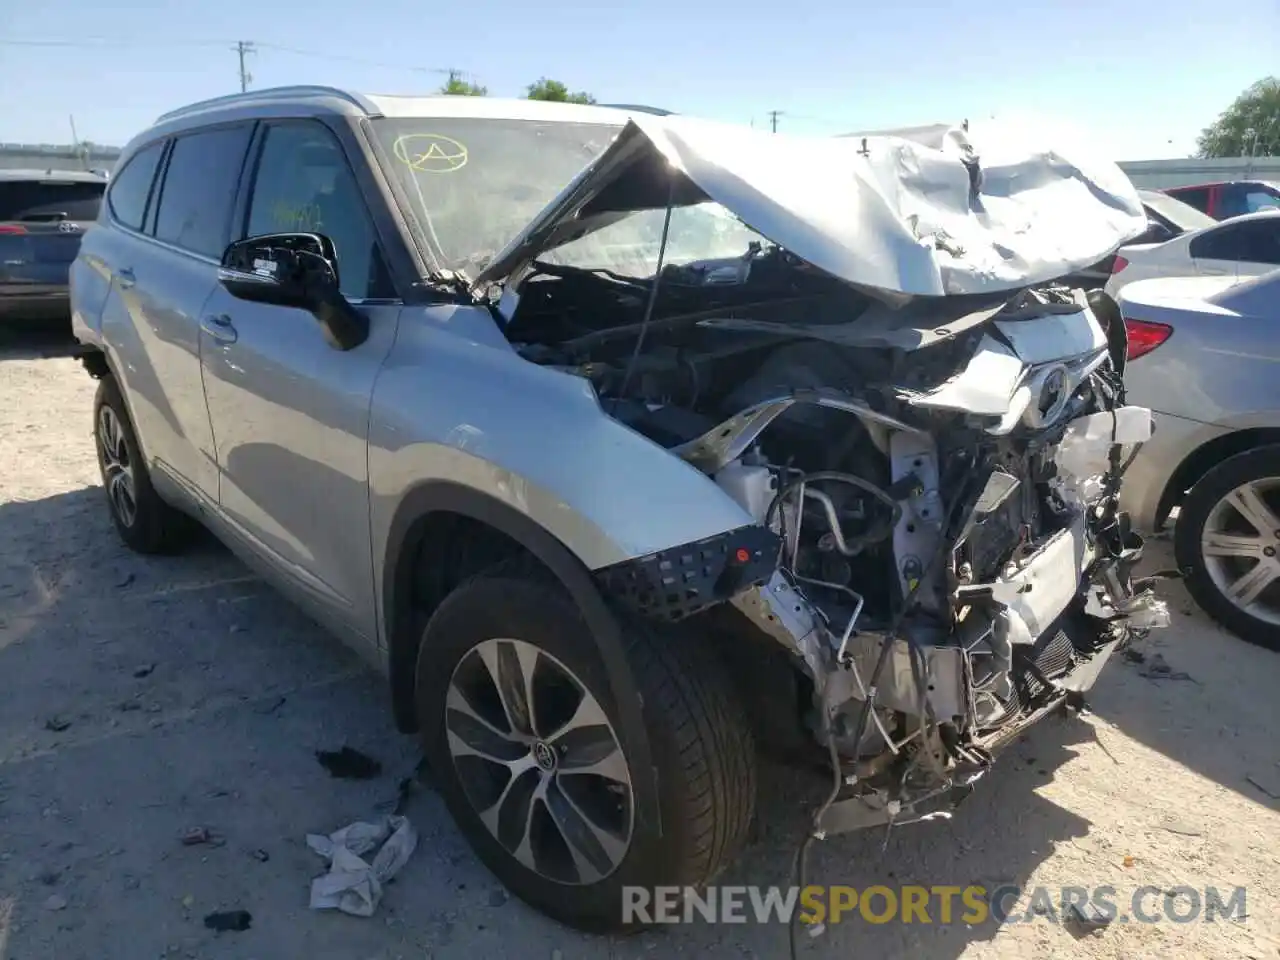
[
  {"x": 1227, "y": 540},
  {"x": 523, "y": 735}
]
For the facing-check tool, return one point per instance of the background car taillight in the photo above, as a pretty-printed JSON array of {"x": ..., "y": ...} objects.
[
  {"x": 12, "y": 229},
  {"x": 1145, "y": 336},
  {"x": 1118, "y": 264}
]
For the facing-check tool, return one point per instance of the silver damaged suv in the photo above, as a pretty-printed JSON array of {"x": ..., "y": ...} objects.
[{"x": 626, "y": 445}]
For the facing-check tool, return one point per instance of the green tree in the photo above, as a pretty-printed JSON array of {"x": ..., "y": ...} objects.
[
  {"x": 1250, "y": 127},
  {"x": 455, "y": 86},
  {"x": 546, "y": 89}
]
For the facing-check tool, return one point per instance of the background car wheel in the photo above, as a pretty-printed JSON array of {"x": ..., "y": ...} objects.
[
  {"x": 1227, "y": 540},
  {"x": 523, "y": 736},
  {"x": 146, "y": 523}
]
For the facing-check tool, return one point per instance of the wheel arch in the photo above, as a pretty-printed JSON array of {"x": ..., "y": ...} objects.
[
  {"x": 1204, "y": 458},
  {"x": 422, "y": 511}
]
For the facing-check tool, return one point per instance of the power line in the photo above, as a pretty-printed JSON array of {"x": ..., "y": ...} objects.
[
  {"x": 111, "y": 42},
  {"x": 360, "y": 60},
  {"x": 249, "y": 46}
]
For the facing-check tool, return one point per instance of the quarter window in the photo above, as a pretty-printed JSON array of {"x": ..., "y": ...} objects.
[
  {"x": 305, "y": 185},
  {"x": 131, "y": 187},
  {"x": 199, "y": 187}
]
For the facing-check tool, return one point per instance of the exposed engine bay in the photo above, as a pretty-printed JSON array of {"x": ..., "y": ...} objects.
[{"x": 940, "y": 476}]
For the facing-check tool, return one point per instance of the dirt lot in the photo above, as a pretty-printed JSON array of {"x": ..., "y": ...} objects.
[{"x": 139, "y": 698}]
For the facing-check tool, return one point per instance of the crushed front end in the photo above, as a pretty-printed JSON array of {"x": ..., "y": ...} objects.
[
  {"x": 928, "y": 431},
  {"x": 953, "y": 563}
]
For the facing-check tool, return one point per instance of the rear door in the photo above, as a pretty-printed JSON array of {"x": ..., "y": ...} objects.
[
  {"x": 41, "y": 223},
  {"x": 162, "y": 271}
]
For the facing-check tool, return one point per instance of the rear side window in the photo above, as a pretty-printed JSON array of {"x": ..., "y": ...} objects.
[
  {"x": 199, "y": 187},
  {"x": 131, "y": 187},
  {"x": 1253, "y": 241},
  {"x": 49, "y": 200},
  {"x": 1197, "y": 197}
]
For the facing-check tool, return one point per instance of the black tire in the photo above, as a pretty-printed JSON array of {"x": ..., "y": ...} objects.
[
  {"x": 1257, "y": 464},
  {"x": 154, "y": 526},
  {"x": 697, "y": 734}
]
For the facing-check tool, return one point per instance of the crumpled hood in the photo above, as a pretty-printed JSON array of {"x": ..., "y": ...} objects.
[{"x": 925, "y": 212}]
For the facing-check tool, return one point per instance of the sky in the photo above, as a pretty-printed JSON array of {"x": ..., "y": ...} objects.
[{"x": 1140, "y": 78}]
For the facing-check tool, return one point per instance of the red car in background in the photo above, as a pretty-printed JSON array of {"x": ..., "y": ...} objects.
[{"x": 1230, "y": 199}]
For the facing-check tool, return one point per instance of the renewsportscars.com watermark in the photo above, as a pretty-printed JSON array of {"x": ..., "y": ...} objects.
[{"x": 941, "y": 904}]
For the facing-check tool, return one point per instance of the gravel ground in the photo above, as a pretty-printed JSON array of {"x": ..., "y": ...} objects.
[{"x": 140, "y": 698}]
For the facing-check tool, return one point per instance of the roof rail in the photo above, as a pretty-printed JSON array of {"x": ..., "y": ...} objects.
[
  {"x": 269, "y": 93},
  {"x": 638, "y": 108}
]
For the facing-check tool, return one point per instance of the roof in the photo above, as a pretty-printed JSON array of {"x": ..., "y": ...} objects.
[
  {"x": 76, "y": 176},
  {"x": 352, "y": 103},
  {"x": 1221, "y": 183},
  {"x": 1266, "y": 213}
]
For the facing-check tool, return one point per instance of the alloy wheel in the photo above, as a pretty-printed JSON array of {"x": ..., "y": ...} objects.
[
  {"x": 1240, "y": 544},
  {"x": 539, "y": 761},
  {"x": 117, "y": 466}
]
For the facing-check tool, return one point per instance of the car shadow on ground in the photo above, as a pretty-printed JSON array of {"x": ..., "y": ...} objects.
[
  {"x": 193, "y": 694},
  {"x": 1198, "y": 695},
  {"x": 20, "y": 341}
]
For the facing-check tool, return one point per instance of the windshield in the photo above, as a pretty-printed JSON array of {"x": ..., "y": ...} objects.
[{"x": 473, "y": 184}]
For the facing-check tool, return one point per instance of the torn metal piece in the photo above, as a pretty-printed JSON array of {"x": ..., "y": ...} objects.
[{"x": 730, "y": 440}]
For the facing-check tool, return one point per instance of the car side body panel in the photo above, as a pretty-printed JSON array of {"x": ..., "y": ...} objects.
[
  {"x": 149, "y": 327},
  {"x": 1173, "y": 440},
  {"x": 1215, "y": 375}
]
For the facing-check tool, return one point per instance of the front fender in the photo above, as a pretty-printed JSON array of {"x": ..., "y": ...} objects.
[{"x": 456, "y": 404}]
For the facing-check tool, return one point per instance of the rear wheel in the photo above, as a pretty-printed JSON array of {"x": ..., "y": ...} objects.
[
  {"x": 522, "y": 732},
  {"x": 145, "y": 522},
  {"x": 1227, "y": 540}
]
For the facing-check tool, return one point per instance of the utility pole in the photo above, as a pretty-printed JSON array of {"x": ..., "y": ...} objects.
[
  {"x": 243, "y": 48},
  {"x": 82, "y": 152},
  {"x": 773, "y": 120}
]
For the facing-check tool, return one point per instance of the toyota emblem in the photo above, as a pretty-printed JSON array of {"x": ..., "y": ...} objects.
[{"x": 66, "y": 226}]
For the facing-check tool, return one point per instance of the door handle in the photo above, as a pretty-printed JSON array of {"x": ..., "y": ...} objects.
[
  {"x": 126, "y": 278},
  {"x": 220, "y": 328}
]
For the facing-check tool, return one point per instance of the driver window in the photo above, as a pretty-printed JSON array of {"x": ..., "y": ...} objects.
[{"x": 304, "y": 185}]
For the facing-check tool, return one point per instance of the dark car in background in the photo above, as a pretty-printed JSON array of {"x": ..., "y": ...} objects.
[
  {"x": 1167, "y": 217},
  {"x": 1231, "y": 199},
  {"x": 43, "y": 215}
]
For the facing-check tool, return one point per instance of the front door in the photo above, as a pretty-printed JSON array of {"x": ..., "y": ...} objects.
[{"x": 289, "y": 412}]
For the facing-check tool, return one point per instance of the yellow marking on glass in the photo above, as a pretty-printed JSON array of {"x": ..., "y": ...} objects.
[{"x": 430, "y": 152}]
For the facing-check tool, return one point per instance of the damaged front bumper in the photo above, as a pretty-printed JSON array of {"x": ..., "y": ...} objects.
[{"x": 1027, "y": 644}]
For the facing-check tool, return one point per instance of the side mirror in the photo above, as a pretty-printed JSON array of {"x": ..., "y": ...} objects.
[{"x": 294, "y": 270}]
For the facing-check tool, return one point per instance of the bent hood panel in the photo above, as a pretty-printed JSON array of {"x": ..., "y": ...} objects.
[{"x": 891, "y": 212}]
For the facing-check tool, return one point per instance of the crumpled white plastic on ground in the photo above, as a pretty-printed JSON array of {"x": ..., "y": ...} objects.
[{"x": 354, "y": 885}]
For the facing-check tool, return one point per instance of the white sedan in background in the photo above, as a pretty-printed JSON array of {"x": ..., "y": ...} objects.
[
  {"x": 1242, "y": 247},
  {"x": 1204, "y": 355}
]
